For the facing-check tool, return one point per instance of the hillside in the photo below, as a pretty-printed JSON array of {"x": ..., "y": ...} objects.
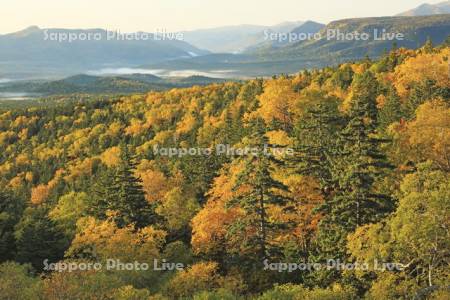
[
  {"x": 124, "y": 84},
  {"x": 257, "y": 189}
]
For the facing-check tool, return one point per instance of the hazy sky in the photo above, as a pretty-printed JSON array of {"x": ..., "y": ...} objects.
[{"x": 176, "y": 15}]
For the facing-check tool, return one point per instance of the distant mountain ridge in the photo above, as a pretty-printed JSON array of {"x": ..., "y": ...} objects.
[
  {"x": 428, "y": 9},
  {"x": 308, "y": 27},
  {"x": 45, "y": 50},
  {"x": 316, "y": 53},
  {"x": 414, "y": 31},
  {"x": 228, "y": 52},
  {"x": 234, "y": 39},
  {"x": 284, "y": 38}
]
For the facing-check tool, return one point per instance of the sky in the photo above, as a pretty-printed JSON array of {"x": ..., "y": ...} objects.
[{"x": 180, "y": 15}]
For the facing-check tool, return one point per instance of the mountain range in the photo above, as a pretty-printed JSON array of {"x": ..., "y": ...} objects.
[
  {"x": 428, "y": 9},
  {"x": 234, "y": 39},
  {"x": 35, "y": 50},
  {"x": 345, "y": 39},
  {"x": 270, "y": 59},
  {"x": 283, "y": 38},
  {"x": 233, "y": 51}
]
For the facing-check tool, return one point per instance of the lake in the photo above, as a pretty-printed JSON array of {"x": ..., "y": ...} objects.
[
  {"x": 17, "y": 96},
  {"x": 162, "y": 72}
]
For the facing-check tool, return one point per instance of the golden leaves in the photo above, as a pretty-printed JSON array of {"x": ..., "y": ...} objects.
[
  {"x": 201, "y": 276},
  {"x": 40, "y": 193},
  {"x": 78, "y": 169},
  {"x": 428, "y": 136},
  {"x": 178, "y": 207},
  {"x": 135, "y": 128},
  {"x": 209, "y": 225},
  {"x": 111, "y": 157},
  {"x": 155, "y": 184},
  {"x": 186, "y": 124},
  {"x": 278, "y": 101},
  {"x": 106, "y": 240},
  {"x": 424, "y": 66},
  {"x": 279, "y": 137}
]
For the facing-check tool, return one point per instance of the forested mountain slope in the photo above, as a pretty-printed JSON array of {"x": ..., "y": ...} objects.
[{"x": 87, "y": 181}]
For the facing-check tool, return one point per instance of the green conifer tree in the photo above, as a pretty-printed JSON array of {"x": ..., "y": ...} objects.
[
  {"x": 121, "y": 192},
  {"x": 38, "y": 238},
  {"x": 316, "y": 141},
  {"x": 392, "y": 109},
  {"x": 10, "y": 212},
  {"x": 263, "y": 191},
  {"x": 359, "y": 163}
]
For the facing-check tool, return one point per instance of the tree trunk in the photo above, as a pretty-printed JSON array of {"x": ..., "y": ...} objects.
[{"x": 262, "y": 225}]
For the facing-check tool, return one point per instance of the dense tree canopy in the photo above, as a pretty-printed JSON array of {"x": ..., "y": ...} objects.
[{"x": 140, "y": 178}]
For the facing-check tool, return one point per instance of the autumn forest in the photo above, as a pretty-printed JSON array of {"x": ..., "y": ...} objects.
[{"x": 126, "y": 197}]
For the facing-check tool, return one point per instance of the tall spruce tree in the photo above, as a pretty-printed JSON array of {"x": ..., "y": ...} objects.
[
  {"x": 99, "y": 190},
  {"x": 422, "y": 92},
  {"x": 121, "y": 192},
  {"x": 357, "y": 166},
  {"x": 262, "y": 190},
  {"x": 38, "y": 238},
  {"x": 316, "y": 146},
  {"x": 392, "y": 109},
  {"x": 11, "y": 209},
  {"x": 362, "y": 160},
  {"x": 316, "y": 141}
]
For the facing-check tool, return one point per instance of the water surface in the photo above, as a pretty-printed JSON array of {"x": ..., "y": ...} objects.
[{"x": 17, "y": 96}]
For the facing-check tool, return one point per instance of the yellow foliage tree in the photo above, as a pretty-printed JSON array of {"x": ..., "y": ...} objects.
[
  {"x": 278, "y": 101},
  {"x": 178, "y": 207},
  {"x": 427, "y": 137},
  {"x": 209, "y": 226},
  {"x": 432, "y": 66},
  {"x": 39, "y": 194},
  {"x": 136, "y": 127},
  {"x": 111, "y": 156},
  {"x": 105, "y": 240},
  {"x": 199, "y": 277}
]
